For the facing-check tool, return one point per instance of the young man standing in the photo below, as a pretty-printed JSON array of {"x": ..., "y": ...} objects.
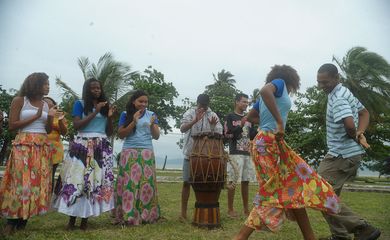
[
  {"x": 196, "y": 120},
  {"x": 238, "y": 130},
  {"x": 346, "y": 121}
]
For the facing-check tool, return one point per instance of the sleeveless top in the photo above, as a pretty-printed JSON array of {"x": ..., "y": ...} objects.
[
  {"x": 267, "y": 121},
  {"x": 27, "y": 111}
]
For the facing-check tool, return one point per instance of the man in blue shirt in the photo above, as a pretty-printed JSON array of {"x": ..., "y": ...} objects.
[{"x": 346, "y": 121}]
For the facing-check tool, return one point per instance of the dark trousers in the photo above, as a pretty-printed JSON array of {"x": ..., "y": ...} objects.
[{"x": 337, "y": 171}]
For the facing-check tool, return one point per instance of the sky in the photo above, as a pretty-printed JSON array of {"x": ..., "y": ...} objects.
[{"x": 187, "y": 40}]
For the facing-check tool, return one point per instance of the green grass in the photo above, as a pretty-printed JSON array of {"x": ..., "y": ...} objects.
[{"x": 374, "y": 207}]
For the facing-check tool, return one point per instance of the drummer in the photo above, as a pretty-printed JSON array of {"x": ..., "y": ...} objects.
[{"x": 196, "y": 120}]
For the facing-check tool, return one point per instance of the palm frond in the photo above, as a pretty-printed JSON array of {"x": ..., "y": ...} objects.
[
  {"x": 84, "y": 64},
  {"x": 65, "y": 88},
  {"x": 367, "y": 75}
]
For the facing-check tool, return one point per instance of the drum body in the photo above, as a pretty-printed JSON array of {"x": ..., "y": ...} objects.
[{"x": 207, "y": 177}]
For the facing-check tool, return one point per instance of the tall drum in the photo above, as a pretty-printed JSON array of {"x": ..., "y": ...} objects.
[{"x": 208, "y": 172}]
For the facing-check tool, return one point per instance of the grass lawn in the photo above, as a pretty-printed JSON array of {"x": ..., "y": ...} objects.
[{"x": 375, "y": 207}]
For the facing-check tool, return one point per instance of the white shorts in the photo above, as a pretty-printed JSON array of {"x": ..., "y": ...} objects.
[{"x": 245, "y": 169}]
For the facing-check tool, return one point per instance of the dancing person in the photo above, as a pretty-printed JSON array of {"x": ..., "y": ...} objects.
[
  {"x": 287, "y": 185},
  {"x": 196, "y": 120},
  {"x": 238, "y": 131},
  {"x": 59, "y": 128},
  {"x": 87, "y": 187},
  {"x": 346, "y": 122},
  {"x": 25, "y": 189},
  {"x": 136, "y": 189}
]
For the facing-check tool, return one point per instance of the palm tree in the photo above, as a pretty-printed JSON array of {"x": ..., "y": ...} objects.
[
  {"x": 115, "y": 77},
  {"x": 367, "y": 75},
  {"x": 255, "y": 95},
  {"x": 224, "y": 78}
]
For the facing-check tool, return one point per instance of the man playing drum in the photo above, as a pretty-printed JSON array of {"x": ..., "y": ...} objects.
[{"x": 196, "y": 120}]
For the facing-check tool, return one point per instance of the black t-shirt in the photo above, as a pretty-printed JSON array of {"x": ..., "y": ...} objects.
[{"x": 239, "y": 137}]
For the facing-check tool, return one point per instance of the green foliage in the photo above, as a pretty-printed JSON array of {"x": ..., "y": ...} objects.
[
  {"x": 367, "y": 75},
  {"x": 306, "y": 126},
  {"x": 5, "y": 136},
  {"x": 222, "y": 93},
  {"x": 52, "y": 225},
  {"x": 255, "y": 95},
  {"x": 114, "y": 75},
  {"x": 161, "y": 96}
]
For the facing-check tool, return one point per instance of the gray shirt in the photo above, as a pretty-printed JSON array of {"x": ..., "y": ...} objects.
[{"x": 202, "y": 126}]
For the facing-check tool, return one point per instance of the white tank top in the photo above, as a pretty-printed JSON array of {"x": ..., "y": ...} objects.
[{"x": 27, "y": 111}]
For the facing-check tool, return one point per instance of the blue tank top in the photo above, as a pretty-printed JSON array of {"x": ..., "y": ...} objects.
[{"x": 267, "y": 121}]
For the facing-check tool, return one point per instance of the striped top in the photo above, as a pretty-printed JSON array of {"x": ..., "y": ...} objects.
[{"x": 341, "y": 104}]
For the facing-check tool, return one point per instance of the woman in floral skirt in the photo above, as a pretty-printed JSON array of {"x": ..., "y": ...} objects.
[
  {"x": 287, "y": 184},
  {"x": 136, "y": 189},
  {"x": 59, "y": 128},
  {"x": 25, "y": 189},
  {"x": 87, "y": 187}
]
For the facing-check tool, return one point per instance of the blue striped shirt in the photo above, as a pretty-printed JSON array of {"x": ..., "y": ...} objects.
[{"x": 342, "y": 104}]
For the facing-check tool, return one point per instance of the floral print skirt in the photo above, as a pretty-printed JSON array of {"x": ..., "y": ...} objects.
[
  {"x": 136, "y": 189},
  {"x": 86, "y": 184},
  {"x": 286, "y": 181},
  {"x": 26, "y": 185}
]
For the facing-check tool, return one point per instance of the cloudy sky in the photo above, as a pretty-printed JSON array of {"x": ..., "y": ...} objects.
[{"x": 186, "y": 40}]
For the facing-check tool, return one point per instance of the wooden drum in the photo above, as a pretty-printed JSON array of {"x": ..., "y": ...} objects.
[{"x": 207, "y": 177}]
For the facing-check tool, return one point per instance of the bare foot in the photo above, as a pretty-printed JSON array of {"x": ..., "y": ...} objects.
[
  {"x": 246, "y": 213},
  {"x": 116, "y": 221},
  {"x": 162, "y": 219},
  {"x": 232, "y": 214},
  {"x": 183, "y": 219}
]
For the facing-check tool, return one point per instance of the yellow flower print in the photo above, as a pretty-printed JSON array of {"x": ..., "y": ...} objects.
[
  {"x": 309, "y": 192},
  {"x": 324, "y": 187}
]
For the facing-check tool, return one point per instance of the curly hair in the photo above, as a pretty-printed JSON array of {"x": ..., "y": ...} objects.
[
  {"x": 88, "y": 98},
  {"x": 130, "y": 107},
  {"x": 288, "y": 74},
  {"x": 33, "y": 85}
]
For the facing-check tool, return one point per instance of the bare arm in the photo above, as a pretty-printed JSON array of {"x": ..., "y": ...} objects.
[
  {"x": 62, "y": 123},
  {"x": 155, "y": 130},
  {"x": 364, "y": 120},
  {"x": 349, "y": 124},
  {"x": 126, "y": 131},
  {"x": 109, "y": 126},
  {"x": 50, "y": 118},
  {"x": 187, "y": 126},
  {"x": 349, "y": 127},
  {"x": 267, "y": 94},
  {"x": 79, "y": 123},
  {"x": 14, "y": 121},
  {"x": 253, "y": 116}
]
